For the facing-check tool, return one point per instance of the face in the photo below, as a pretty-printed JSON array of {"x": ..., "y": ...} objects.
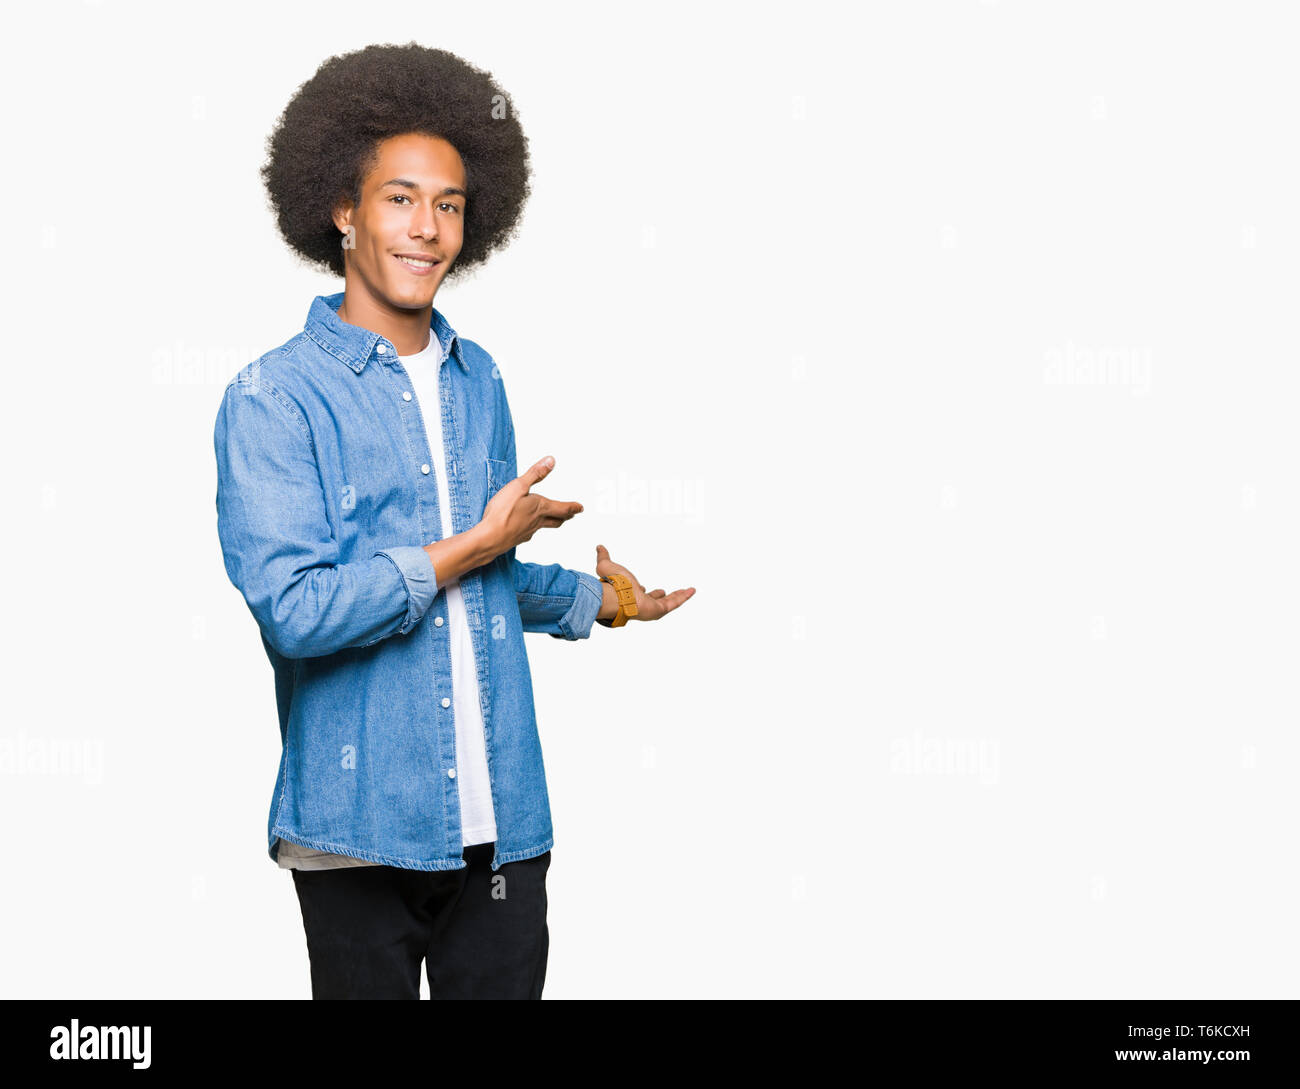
[{"x": 412, "y": 211}]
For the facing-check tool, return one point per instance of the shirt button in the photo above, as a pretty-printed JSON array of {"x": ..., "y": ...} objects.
[
  {"x": 405, "y": 395},
  {"x": 437, "y": 622},
  {"x": 382, "y": 349},
  {"x": 446, "y": 702},
  {"x": 451, "y": 773},
  {"x": 424, "y": 469}
]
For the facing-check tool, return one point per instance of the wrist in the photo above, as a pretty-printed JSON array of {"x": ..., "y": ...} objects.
[
  {"x": 608, "y": 602},
  {"x": 454, "y": 556},
  {"x": 486, "y": 543}
]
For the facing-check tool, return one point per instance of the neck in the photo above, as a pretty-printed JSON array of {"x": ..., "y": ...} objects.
[{"x": 408, "y": 330}]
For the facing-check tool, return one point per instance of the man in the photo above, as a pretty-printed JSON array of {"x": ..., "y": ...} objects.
[{"x": 369, "y": 507}]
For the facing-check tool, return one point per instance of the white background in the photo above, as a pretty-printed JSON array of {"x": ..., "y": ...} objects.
[{"x": 948, "y": 349}]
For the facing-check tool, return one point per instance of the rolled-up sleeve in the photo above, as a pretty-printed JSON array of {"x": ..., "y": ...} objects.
[
  {"x": 416, "y": 568},
  {"x": 279, "y": 548},
  {"x": 556, "y": 600}
]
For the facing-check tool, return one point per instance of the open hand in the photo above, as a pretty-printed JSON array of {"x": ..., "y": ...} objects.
[
  {"x": 514, "y": 514},
  {"x": 649, "y": 606}
]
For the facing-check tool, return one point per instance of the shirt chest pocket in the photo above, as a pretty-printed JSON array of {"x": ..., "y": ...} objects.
[{"x": 498, "y": 475}]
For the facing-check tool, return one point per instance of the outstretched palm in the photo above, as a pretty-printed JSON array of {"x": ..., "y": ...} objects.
[{"x": 649, "y": 605}]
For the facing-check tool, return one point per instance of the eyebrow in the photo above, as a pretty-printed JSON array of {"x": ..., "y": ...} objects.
[{"x": 406, "y": 183}]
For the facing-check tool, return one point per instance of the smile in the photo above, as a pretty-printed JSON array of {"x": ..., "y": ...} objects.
[{"x": 416, "y": 265}]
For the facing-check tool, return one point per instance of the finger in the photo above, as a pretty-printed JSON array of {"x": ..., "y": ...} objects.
[
  {"x": 676, "y": 598},
  {"x": 655, "y": 593},
  {"x": 537, "y": 471},
  {"x": 556, "y": 505},
  {"x": 556, "y": 508},
  {"x": 563, "y": 511},
  {"x": 609, "y": 568}
]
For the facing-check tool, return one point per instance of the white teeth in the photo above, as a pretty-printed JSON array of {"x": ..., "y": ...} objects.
[{"x": 417, "y": 263}]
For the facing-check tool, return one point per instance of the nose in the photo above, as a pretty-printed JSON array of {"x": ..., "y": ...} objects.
[{"x": 424, "y": 224}]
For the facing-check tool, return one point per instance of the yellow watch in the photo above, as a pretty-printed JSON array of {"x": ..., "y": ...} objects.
[{"x": 626, "y": 600}]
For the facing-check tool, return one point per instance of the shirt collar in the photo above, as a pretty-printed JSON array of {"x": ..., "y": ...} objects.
[{"x": 355, "y": 346}]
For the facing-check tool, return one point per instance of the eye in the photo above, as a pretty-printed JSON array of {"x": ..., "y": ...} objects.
[
  {"x": 448, "y": 204},
  {"x": 399, "y": 196}
]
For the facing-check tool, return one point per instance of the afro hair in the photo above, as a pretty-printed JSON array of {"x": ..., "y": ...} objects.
[{"x": 327, "y": 139}]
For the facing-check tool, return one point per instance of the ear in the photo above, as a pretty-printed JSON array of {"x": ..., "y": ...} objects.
[{"x": 342, "y": 215}]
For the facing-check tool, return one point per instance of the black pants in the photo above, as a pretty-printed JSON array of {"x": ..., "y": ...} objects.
[{"x": 479, "y": 934}]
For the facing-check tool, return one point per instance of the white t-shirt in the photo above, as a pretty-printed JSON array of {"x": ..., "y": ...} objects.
[{"x": 477, "y": 818}]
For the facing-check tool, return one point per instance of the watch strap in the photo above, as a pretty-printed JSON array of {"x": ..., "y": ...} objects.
[{"x": 626, "y": 599}]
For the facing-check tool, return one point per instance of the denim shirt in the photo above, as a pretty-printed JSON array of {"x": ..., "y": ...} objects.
[{"x": 325, "y": 499}]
